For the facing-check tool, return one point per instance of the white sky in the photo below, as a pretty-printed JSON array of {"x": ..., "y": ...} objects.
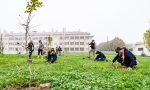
[{"x": 127, "y": 19}]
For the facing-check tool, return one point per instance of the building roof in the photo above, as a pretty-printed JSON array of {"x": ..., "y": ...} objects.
[{"x": 139, "y": 43}]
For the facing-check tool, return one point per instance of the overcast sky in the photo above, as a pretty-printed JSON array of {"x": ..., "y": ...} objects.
[{"x": 127, "y": 19}]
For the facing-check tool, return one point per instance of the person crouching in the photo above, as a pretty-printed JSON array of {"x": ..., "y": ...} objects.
[
  {"x": 52, "y": 56},
  {"x": 100, "y": 56},
  {"x": 125, "y": 58}
]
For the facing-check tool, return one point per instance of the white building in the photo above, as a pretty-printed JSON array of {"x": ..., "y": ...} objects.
[
  {"x": 139, "y": 48},
  {"x": 69, "y": 41}
]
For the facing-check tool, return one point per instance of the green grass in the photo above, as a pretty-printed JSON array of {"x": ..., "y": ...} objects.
[{"x": 72, "y": 72}]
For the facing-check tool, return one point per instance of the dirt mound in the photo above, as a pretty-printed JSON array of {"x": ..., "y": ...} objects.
[{"x": 45, "y": 86}]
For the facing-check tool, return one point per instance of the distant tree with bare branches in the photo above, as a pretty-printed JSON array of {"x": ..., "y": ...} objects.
[{"x": 111, "y": 45}]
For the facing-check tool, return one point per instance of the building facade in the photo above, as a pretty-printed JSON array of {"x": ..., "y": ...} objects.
[
  {"x": 69, "y": 41},
  {"x": 139, "y": 48}
]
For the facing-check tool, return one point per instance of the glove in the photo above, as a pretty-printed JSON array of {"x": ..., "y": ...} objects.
[{"x": 129, "y": 68}]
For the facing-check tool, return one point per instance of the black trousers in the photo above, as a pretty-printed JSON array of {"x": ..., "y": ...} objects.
[
  {"x": 127, "y": 62},
  {"x": 30, "y": 54},
  {"x": 40, "y": 51}
]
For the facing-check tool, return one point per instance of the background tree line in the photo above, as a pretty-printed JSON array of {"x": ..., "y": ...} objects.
[{"x": 111, "y": 45}]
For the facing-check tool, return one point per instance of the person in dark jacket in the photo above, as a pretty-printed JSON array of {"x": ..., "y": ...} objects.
[
  {"x": 92, "y": 45},
  {"x": 52, "y": 56},
  {"x": 30, "y": 48},
  {"x": 59, "y": 51},
  {"x": 100, "y": 56},
  {"x": 125, "y": 57},
  {"x": 40, "y": 48}
]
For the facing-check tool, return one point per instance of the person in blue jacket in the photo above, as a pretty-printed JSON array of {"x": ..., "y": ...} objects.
[
  {"x": 52, "y": 56},
  {"x": 125, "y": 57},
  {"x": 100, "y": 56}
]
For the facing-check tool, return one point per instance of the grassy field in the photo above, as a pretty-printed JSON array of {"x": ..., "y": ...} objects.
[{"x": 72, "y": 72}]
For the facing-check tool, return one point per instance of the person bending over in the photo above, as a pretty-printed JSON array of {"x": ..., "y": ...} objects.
[
  {"x": 125, "y": 57},
  {"x": 100, "y": 56}
]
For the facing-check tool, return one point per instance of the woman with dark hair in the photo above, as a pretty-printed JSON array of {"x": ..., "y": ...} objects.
[
  {"x": 125, "y": 57},
  {"x": 52, "y": 56}
]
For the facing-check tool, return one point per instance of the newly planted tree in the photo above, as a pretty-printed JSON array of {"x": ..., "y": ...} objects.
[{"x": 32, "y": 6}]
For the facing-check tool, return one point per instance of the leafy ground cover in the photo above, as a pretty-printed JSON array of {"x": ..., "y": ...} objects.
[{"x": 73, "y": 72}]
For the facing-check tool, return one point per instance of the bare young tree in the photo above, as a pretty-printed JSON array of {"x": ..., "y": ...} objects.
[{"x": 32, "y": 5}]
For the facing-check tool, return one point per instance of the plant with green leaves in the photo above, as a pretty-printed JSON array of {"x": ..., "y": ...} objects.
[
  {"x": 32, "y": 5},
  {"x": 71, "y": 72},
  {"x": 147, "y": 39}
]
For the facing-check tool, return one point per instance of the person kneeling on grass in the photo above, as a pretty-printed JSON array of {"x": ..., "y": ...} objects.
[
  {"x": 125, "y": 57},
  {"x": 100, "y": 56},
  {"x": 52, "y": 56}
]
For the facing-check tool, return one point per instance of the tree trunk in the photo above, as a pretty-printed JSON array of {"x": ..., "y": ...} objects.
[{"x": 27, "y": 31}]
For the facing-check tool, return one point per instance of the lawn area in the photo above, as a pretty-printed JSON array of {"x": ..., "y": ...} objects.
[{"x": 72, "y": 72}]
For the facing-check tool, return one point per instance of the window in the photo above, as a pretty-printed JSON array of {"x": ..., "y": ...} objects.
[
  {"x": 66, "y": 38},
  {"x": 11, "y": 43},
  {"x": 66, "y": 43},
  {"x": 11, "y": 38},
  {"x": 81, "y": 37},
  {"x": 60, "y": 38},
  {"x": 140, "y": 49},
  {"x": 71, "y": 43},
  {"x": 81, "y": 43},
  {"x": 16, "y": 38},
  {"x": 76, "y": 37},
  {"x": 66, "y": 49},
  {"x": 81, "y": 49},
  {"x": 87, "y": 37},
  {"x": 76, "y": 43},
  {"x": 11, "y": 48},
  {"x": 76, "y": 49},
  {"x": 72, "y": 37},
  {"x": 71, "y": 49}
]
